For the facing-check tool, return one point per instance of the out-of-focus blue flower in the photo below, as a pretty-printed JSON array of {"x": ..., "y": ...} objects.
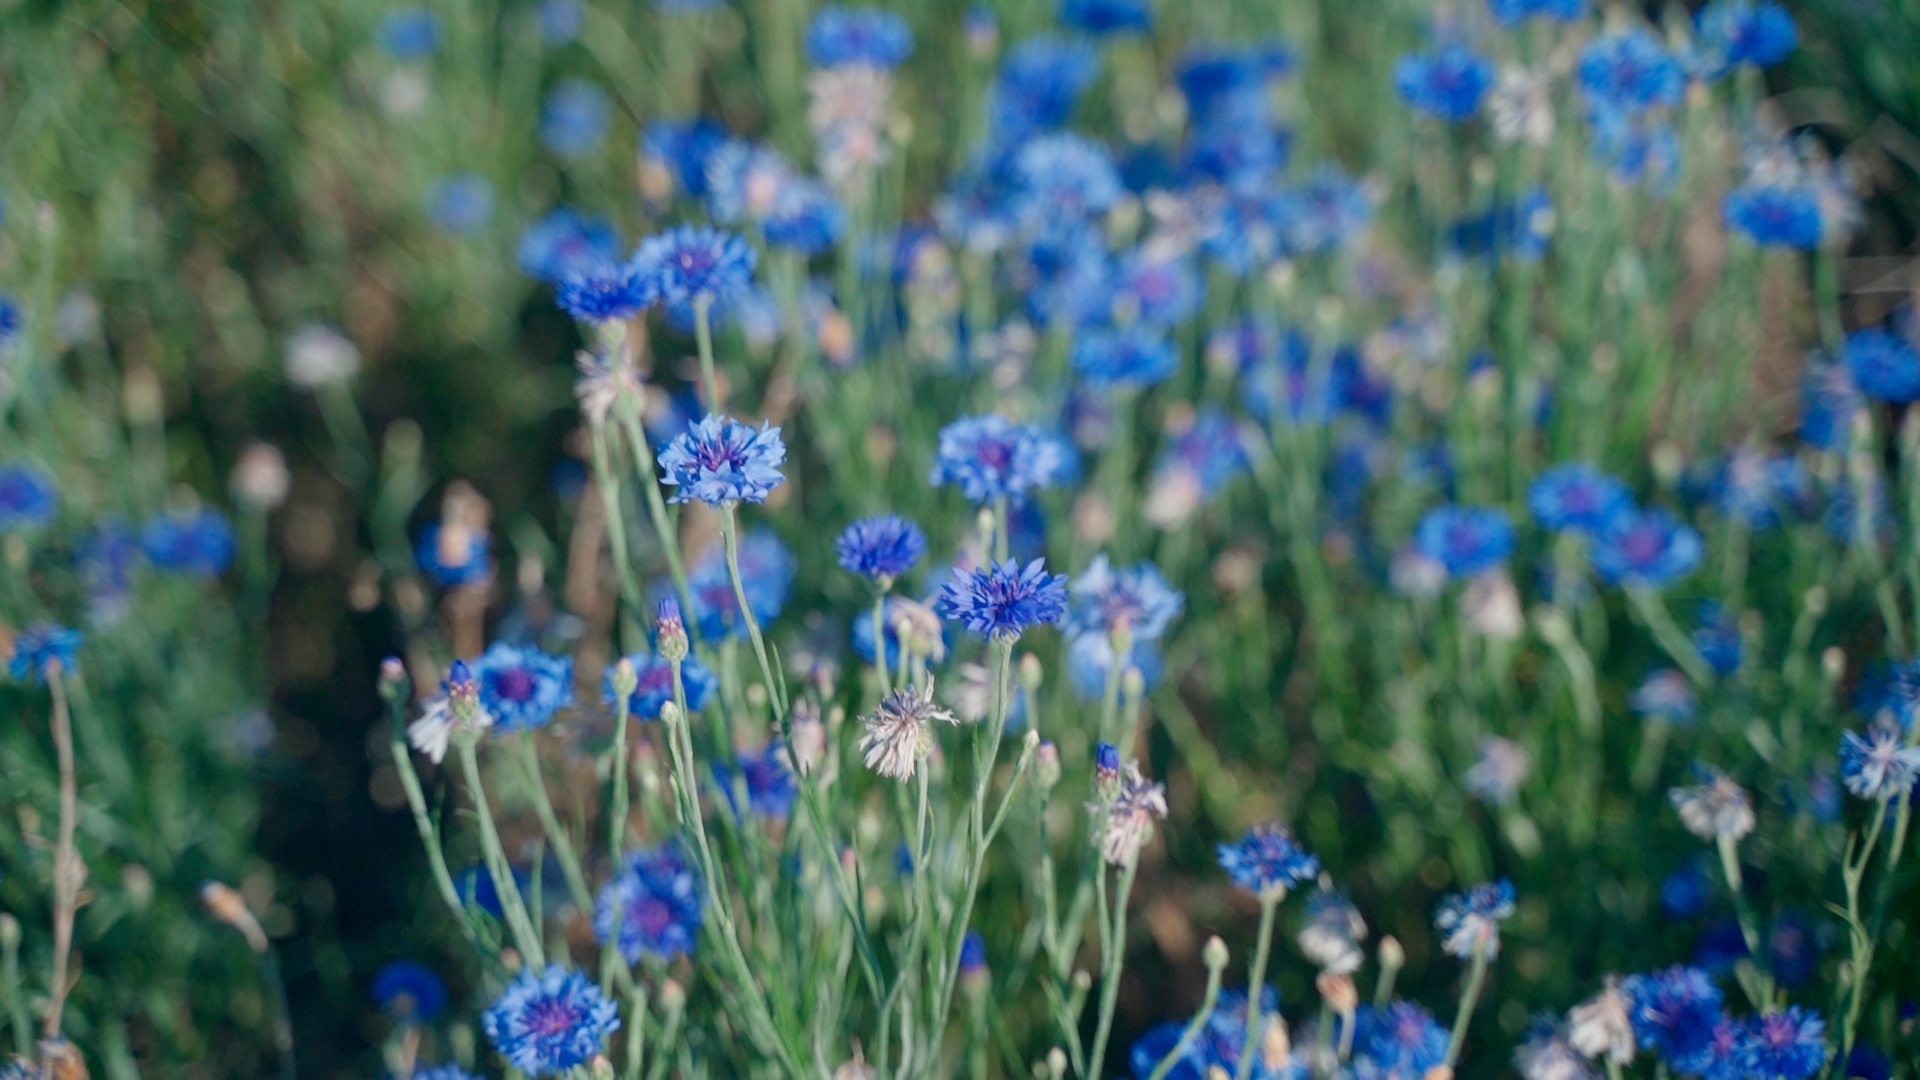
[
  {"x": 881, "y": 547},
  {"x": 1090, "y": 661},
  {"x": 603, "y": 291},
  {"x": 1889, "y": 691},
  {"x": 843, "y": 35},
  {"x": 1578, "y": 497},
  {"x": 1322, "y": 214},
  {"x": 1720, "y": 946},
  {"x": 550, "y": 1021},
  {"x": 1884, "y": 364},
  {"x": 973, "y": 955},
  {"x": 1137, "y": 598},
  {"x": 992, "y": 458},
  {"x": 1065, "y": 176},
  {"x": 1879, "y": 765},
  {"x": 766, "y": 572},
  {"x": 39, "y": 645},
  {"x": 28, "y": 498},
  {"x": 105, "y": 557},
  {"x": 1400, "y": 1042},
  {"x": 651, "y": 907},
  {"x": 1733, "y": 32},
  {"x": 564, "y": 241},
  {"x": 197, "y": 543},
  {"x": 410, "y": 33},
  {"x": 1665, "y": 695},
  {"x": 1627, "y": 73},
  {"x": 805, "y": 217},
  {"x": 860, "y": 635},
  {"x": 1447, "y": 82},
  {"x": 1102, "y": 17},
  {"x": 1685, "y": 892},
  {"x": 769, "y": 783},
  {"x": 1216, "y": 1047},
  {"x": 721, "y": 460},
  {"x": 1866, "y": 1062},
  {"x": 695, "y": 261},
  {"x": 409, "y": 991},
  {"x": 560, "y": 20},
  {"x": 476, "y": 888},
  {"x": 1786, "y": 1045},
  {"x": 1159, "y": 289},
  {"x": 1521, "y": 228},
  {"x": 1792, "y": 949},
  {"x": 451, "y": 555},
  {"x": 1266, "y": 860},
  {"x": 462, "y": 203},
  {"x": 1753, "y": 488},
  {"x": 1003, "y": 599},
  {"x": 1718, "y": 638},
  {"x": 1776, "y": 215},
  {"x": 1196, "y": 464},
  {"x": 574, "y": 118},
  {"x": 9, "y": 319},
  {"x": 744, "y": 179},
  {"x": 1646, "y": 549},
  {"x": 654, "y": 687},
  {"x": 1133, "y": 357},
  {"x": 1673, "y": 1011},
  {"x": 1828, "y": 402},
  {"x": 521, "y": 687},
  {"x": 676, "y": 153},
  {"x": 1065, "y": 274},
  {"x": 1469, "y": 922},
  {"x": 443, "y": 1072},
  {"x": 1039, "y": 83},
  {"x": 1639, "y": 150},
  {"x": 1465, "y": 539},
  {"x": 1514, "y": 12}
]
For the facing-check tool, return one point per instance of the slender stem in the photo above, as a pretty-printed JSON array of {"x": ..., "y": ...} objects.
[
  {"x": 617, "y": 852},
  {"x": 495, "y": 857},
  {"x": 637, "y": 1034},
  {"x": 282, "y": 1016},
  {"x": 657, "y": 511},
  {"x": 1193, "y": 1027},
  {"x": 703, "y": 337},
  {"x": 1476, "y": 979},
  {"x": 1676, "y": 644},
  {"x": 1256, "y": 979},
  {"x": 609, "y": 487},
  {"x": 880, "y": 643},
  {"x": 430, "y": 837},
  {"x": 669, "y": 1034},
  {"x": 730, "y": 534},
  {"x": 66, "y": 870},
  {"x": 550, "y": 823},
  {"x": 981, "y": 836},
  {"x": 1862, "y": 942},
  {"x": 1110, "y": 977},
  {"x": 16, "y": 1000}
]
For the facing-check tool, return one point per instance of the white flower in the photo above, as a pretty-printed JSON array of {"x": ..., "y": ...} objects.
[
  {"x": 1492, "y": 606},
  {"x": 318, "y": 355},
  {"x": 433, "y": 732},
  {"x": 1549, "y": 1056},
  {"x": 1521, "y": 107},
  {"x": 899, "y": 732},
  {"x": 604, "y": 376},
  {"x": 1502, "y": 768},
  {"x": 1715, "y": 808},
  {"x": 1333, "y": 932},
  {"x": 1602, "y": 1025}
]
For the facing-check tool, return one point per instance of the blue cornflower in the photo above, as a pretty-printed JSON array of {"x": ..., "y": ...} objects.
[
  {"x": 1102, "y": 17},
  {"x": 603, "y": 291},
  {"x": 550, "y": 1021},
  {"x": 1514, "y": 12},
  {"x": 973, "y": 954},
  {"x": 564, "y": 241},
  {"x": 1734, "y": 32},
  {"x": 1469, "y": 922},
  {"x": 1685, "y": 892},
  {"x": 1776, "y": 215},
  {"x": 843, "y": 35},
  {"x": 1866, "y": 1062},
  {"x": 521, "y": 686},
  {"x": 769, "y": 783},
  {"x": 1134, "y": 357},
  {"x": 721, "y": 460},
  {"x": 1646, "y": 549},
  {"x": 461, "y": 203},
  {"x": 743, "y": 180},
  {"x": 1090, "y": 662},
  {"x": 651, "y": 907},
  {"x": 1447, "y": 82},
  {"x": 695, "y": 261},
  {"x": 1039, "y": 83},
  {"x": 1665, "y": 695},
  {"x": 1465, "y": 539},
  {"x": 197, "y": 543},
  {"x": 1521, "y": 228},
  {"x": 1065, "y": 274},
  {"x": 805, "y": 217},
  {"x": 39, "y": 645},
  {"x": 27, "y": 497},
  {"x": 1753, "y": 488},
  {"x": 1884, "y": 364},
  {"x": 655, "y": 684},
  {"x": 410, "y": 991},
  {"x": 1001, "y": 600},
  {"x": 1673, "y": 1012},
  {"x": 1323, "y": 214},
  {"x": 1156, "y": 288},
  {"x": 1829, "y": 400},
  {"x": 1576, "y": 496},
  {"x": 1137, "y": 598},
  {"x": 9, "y": 318},
  {"x": 1891, "y": 691},
  {"x": 1267, "y": 862},
  {"x": 1880, "y": 765},
  {"x": 1718, "y": 638},
  {"x": 574, "y": 118},
  {"x": 1217, "y": 1045},
  {"x": 560, "y": 20},
  {"x": 676, "y": 152},
  {"x": 1195, "y": 466},
  {"x": 1786, "y": 1045},
  {"x": 766, "y": 572},
  {"x": 410, "y": 33},
  {"x": 1400, "y": 1042},
  {"x": 443, "y": 1072},
  {"x": 476, "y": 888},
  {"x": 1065, "y": 176},
  {"x": 105, "y": 557},
  {"x": 882, "y": 547},
  {"x": 992, "y": 458},
  {"x": 451, "y": 554},
  {"x": 1628, "y": 73},
  {"x": 1638, "y": 150}
]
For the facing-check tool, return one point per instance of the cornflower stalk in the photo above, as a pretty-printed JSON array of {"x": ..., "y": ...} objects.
[
  {"x": 636, "y": 1033},
  {"x": 609, "y": 486},
  {"x": 1113, "y": 955},
  {"x": 643, "y": 465},
  {"x": 1761, "y": 992},
  {"x": 880, "y": 642},
  {"x": 1653, "y": 612},
  {"x": 703, "y": 338},
  {"x": 66, "y": 861},
  {"x": 1256, "y": 978},
  {"x": 1476, "y": 980},
  {"x": 1860, "y": 939},
  {"x": 423, "y": 821},
  {"x": 10, "y": 982},
  {"x": 494, "y": 855},
  {"x": 550, "y": 823},
  {"x": 610, "y": 958},
  {"x": 1216, "y": 961}
]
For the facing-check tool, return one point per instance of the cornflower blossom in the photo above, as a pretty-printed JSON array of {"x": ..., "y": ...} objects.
[
  {"x": 461, "y": 204},
  {"x": 1880, "y": 765},
  {"x": 766, "y": 575},
  {"x": 1448, "y": 82},
  {"x": 1520, "y": 106},
  {"x": 1673, "y": 1012},
  {"x": 196, "y": 543},
  {"x": 674, "y": 156},
  {"x": 1134, "y": 357},
  {"x": 603, "y": 376},
  {"x": 1548, "y": 1055},
  {"x": 1333, "y": 932},
  {"x": 550, "y": 1021},
  {"x": 1623, "y": 75},
  {"x": 1885, "y": 366},
  {"x": 1603, "y": 1024},
  {"x": 1003, "y": 599},
  {"x": 765, "y": 775},
  {"x": 1646, "y": 549},
  {"x": 1126, "y": 817},
  {"x": 456, "y": 709},
  {"x": 653, "y": 686},
  {"x": 860, "y": 36},
  {"x": 848, "y": 110},
  {"x": 1158, "y": 288},
  {"x": 521, "y": 687},
  {"x": 1267, "y": 862},
  {"x": 1323, "y": 214},
  {"x": 1039, "y": 83},
  {"x": 745, "y": 180},
  {"x": 1090, "y": 660},
  {"x": 992, "y": 458},
  {"x": 881, "y": 547},
  {"x": 451, "y": 553},
  {"x": 39, "y": 646},
  {"x": 651, "y": 907},
  {"x": 1216, "y": 1049},
  {"x": 1503, "y": 766},
  {"x": 903, "y": 620},
  {"x": 1577, "y": 496},
  {"x": 1102, "y": 18},
  {"x": 899, "y": 732},
  {"x": 1467, "y": 540},
  {"x": 409, "y": 991},
  {"x": 1664, "y": 695},
  {"x": 410, "y": 33},
  {"x": 1138, "y": 598},
  {"x": 1729, "y": 33},
  {"x": 1753, "y": 487},
  {"x": 721, "y": 460},
  {"x": 603, "y": 291},
  {"x": 1789, "y": 1044},
  {"x": 1399, "y": 1042},
  {"x": 320, "y": 355},
  {"x": 574, "y": 118},
  {"x": 1469, "y": 922},
  {"x": 1776, "y": 215},
  {"x": 28, "y": 498},
  {"x": 443, "y": 1072},
  {"x": 692, "y": 263},
  {"x": 805, "y": 217},
  {"x": 1714, "y": 808}
]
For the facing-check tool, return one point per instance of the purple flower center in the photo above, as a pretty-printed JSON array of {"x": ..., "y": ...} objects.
[
  {"x": 515, "y": 684},
  {"x": 1642, "y": 545},
  {"x": 551, "y": 1018},
  {"x": 993, "y": 453},
  {"x": 651, "y": 916}
]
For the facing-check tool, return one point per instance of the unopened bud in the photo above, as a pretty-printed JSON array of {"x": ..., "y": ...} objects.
[
  {"x": 1081, "y": 980},
  {"x": 1338, "y": 992},
  {"x": 1057, "y": 1062},
  {"x": 1275, "y": 1046},
  {"x": 1046, "y": 765},
  {"x": 601, "y": 1068},
  {"x": 670, "y": 632},
  {"x": 673, "y": 996},
  {"x": 1133, "y": 684},
  {"x": 1030, "y": 673},
  {"x": 1214, "y": 954},
  {"x": 395, "y": 687},
  {"x": 1392, "y": 954},
  {"x": 9, "y": 931},
  {"x": 259, "y": 478},
  {"x": 670, "y": 714},
  {"x": 625, "y": 679},
  {"x": 226, "y": 904},
  {"x": 1106, "y": 765}
]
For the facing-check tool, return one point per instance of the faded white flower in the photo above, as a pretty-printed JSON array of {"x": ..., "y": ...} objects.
[
  {"x": 1717, "y": 807},
  {"x": 1549, "y": 1056},
  {"x": 433, "y": 731},
  {"x": 604, "y": 375},
  {"x": 1502, "y": 768},
  {"x": 1491, "y": 605},
  {"x": 318, "y": 355},
  {"x": 1520, "y": 106},
  {"x": 972, "y": 697},
  {"x": 260, "y": 476},
  {"x": 1174, "y": 495},
  {"x": 900, "y": 731},
  {"x": 1129, "y": 815},
  {"x": 809, "y": 738},
  {"x": 1414, "y": 574},
  {"x": 848, "y": 113},
  {"x": 1333, "y": 932},
  {"x": 1603, "y": 1025},
  {"x": 918, "y": 627}
]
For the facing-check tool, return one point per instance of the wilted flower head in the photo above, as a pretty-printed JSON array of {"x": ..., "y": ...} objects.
[
  {"x": 721, "y": 460},
  {"x": 1548, "y": 1055},
  {"x": 1267, "y": 862},
  {"x": 899, "y": 731},
  {"x": 259, "y": 479},
  {"x": 1002, "y": 599},
  {"x": 1491, "y": 605},
  {"x": 1602, "y": 1024},
  {"x": 1879, "y": 765},
  {"x": 1126, "y": 819},
  {"x": 456, "y": 709},
  {"x": 651, "y": 907},
  {"x": 1521, "y": 106},
  {"x": 1333, "y": 932},
  {"x": 550, "y": 1021},
  {"x": 1716, "y": 807},
  {"x": 1469, "y": 922}
]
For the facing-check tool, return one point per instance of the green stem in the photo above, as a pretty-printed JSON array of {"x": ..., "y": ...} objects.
[
  {"x": 550, "y": 823},
  {"x": 495, "y": 858},
  {"x": 637, "y": 1033},
  {"x": 703, "y": 337},
  {"x": 610, "y": 957},
  {"x": 880, "y": 643},
  {"x": 609, "y": 487},
  {"x": 1115, "y": 960},
  {"x": 643, "y": 464},
  {"x": 1193, "y": 1027},
  {"x": 1762, "y": 994},
  {"x": 16, "y": 1000},
  {"x": 430, "y": 837},
  {"x": 776, "y": 689},
  {"x": 1476, "y": 979},
  {"x": 669, "y": 1033},
  {"x": 1256, "y": 977},
  {"x": 1675, "y": 642}
]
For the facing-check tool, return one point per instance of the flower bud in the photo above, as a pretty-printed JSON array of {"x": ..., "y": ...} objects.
[
  {"x": 1030, "y": 672},
  {"x": 225, "y": 903},
  {"x": 1275, "y": 1046},
  {"x": 600, "y": 1068},
  {"x": 625, "y": 679},
  {"x": 9, "y": 931},
  {"x": 1046, "y": 765},
  {"x": 673, "y": 996},
  {"x": 670, "y": 632},
  {"x": 1057, "y": 1062},
  {"x": 1214, "y": 954},
  {"x": 395, "y": 687},
  {"x": 1132, "y": 683},
  {"x": 1338, "y": 992},
  {"x": 1392, "y": 954},
  {"x": 1106, "y": 766},
  {"x": 670, "y": 714}
]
